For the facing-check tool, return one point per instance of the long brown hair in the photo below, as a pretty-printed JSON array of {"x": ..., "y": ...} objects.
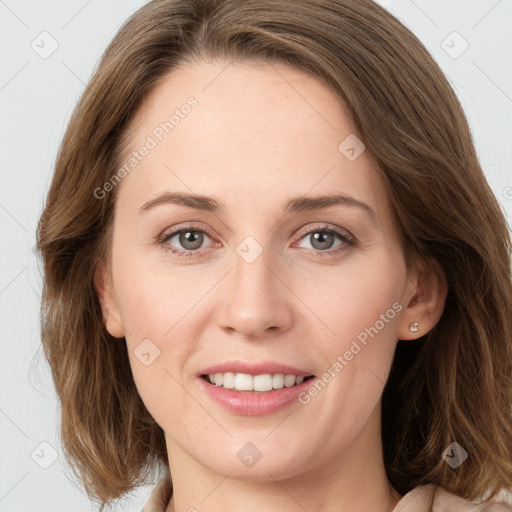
[{"x": 452, "y": 385}]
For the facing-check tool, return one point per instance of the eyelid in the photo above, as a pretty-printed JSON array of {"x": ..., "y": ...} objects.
[
  {"x": 326, "y": 227},
  {"x": 302, "y": 232},
  {"x": 174, "y": 230}
]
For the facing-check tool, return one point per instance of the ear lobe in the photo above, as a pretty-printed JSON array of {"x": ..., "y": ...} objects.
[
  {"x": 110, "y": 310},
  {"x": 426, "y": 304}
]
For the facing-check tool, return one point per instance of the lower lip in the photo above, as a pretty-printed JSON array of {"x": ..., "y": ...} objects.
[{"x": 254, "y": 403}]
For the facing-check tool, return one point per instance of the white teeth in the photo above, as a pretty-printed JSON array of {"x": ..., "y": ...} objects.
[
  {"x": 278, "y": 381},
  {"x": 243, "y": 382},
  {"x": 229, "y": 380},
  {"x": 262, "y": 382},
  {"x": 246, "y": 382},
  {"x": 289, "y": 381}
]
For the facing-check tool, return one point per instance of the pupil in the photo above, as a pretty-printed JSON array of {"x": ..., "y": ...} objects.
[
  {"x": 323, "y": 236},
  {"x": 188, "y": 238}
]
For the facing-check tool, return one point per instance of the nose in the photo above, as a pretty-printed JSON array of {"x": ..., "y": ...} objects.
[{"x": 256, "y": 298}]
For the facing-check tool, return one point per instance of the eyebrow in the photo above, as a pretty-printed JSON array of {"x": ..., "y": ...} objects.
[{"x": 296, "y": 204}]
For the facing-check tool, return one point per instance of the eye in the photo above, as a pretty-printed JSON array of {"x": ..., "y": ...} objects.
[
  {"x": 190, "y": 239},
  {"x": 322, "y": 238},
  {"x": 187, "y": 241},
  {"x": 184, "y": 241}
]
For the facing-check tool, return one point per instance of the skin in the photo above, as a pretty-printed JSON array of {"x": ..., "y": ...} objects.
[{"x": 257, "y": 139}]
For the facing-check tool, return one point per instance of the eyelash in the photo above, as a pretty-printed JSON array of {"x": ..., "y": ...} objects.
[{"x": 348, "y": 241}]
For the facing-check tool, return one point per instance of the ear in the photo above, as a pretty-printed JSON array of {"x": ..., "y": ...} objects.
[
  {"x": 426, "y": 299},
  {"x": 109, "y": 307}
]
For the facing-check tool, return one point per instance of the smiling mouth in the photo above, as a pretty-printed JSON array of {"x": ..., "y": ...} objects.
[{"x": 254, "y": 383}]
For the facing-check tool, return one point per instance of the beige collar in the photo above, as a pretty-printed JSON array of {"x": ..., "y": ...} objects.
[{"x": 424, "y": 498}]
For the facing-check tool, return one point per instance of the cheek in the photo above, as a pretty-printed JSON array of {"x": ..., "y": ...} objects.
[
  {"x": 353, "y": 298},
  {"x": 162, "y": 311},
  {"x": 158, "y": 337},
  {"x": 361, "y": 309},
  {"x": 155, "y": 298}
]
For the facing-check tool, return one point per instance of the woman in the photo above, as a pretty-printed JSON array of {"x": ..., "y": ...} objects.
[{"x": 253, "y": 203}]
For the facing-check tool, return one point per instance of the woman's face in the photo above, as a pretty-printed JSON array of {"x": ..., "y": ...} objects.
[{"x": 270, "y": 276}]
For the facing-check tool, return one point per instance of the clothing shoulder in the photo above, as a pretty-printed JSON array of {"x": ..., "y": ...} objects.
[
  {"x": 445, "y": 501},
  {"x": 424, "y": 498},
  {"x": 433, "y": 498}
]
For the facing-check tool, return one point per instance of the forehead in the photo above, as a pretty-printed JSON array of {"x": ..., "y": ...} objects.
[{"x": 255, "y": 130}]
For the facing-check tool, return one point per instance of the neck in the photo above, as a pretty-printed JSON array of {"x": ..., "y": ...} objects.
[{"x": 352, "y": 480}]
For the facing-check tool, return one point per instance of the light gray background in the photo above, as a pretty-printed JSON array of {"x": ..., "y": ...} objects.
[{"x": 37, "y": 96}]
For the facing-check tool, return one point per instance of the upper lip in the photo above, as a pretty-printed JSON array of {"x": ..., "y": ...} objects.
[{"x": 252, "y": 368}]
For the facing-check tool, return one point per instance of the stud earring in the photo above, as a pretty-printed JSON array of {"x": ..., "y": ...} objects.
[{"x": 413, "y": 327}]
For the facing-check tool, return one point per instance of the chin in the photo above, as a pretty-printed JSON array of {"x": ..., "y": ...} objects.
[{"x": 257, "y": 461}]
